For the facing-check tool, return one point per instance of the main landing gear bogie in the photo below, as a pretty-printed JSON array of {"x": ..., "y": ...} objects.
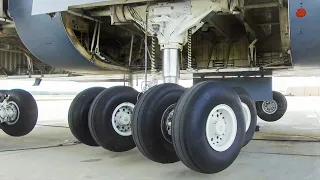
[{"x": 204, "y": 126}]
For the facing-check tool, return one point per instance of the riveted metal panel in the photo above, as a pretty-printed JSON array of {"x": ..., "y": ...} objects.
[
  {"x": 12, "y": 62},
  {"x": 305, "y": 39},
  {"x": 259, "y": 88}
]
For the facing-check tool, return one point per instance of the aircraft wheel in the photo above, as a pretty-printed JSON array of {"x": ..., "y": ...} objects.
[
  {"x": 21, "y": 113},
  {"x": 2, "y": 92},
  {"x": 78, "y": 115},
  {"x": 152, "y": 119},
  {"x": 250, "y": 113},
  {"x": 273, "y": 110},
  {"x": 110, "y": 118},
  {"x": 208, "y": 127}
]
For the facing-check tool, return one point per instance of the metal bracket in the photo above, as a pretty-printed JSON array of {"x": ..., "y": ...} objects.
[
  {"x": 96, "y": 32},
  {"x": 145, "y": 85},
  {"x": 259, "y": 88},
  {"x": 253, "y": 52},
  {"x": 97, "y": 50}
]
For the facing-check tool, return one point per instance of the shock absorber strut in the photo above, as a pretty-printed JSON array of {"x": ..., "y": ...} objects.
[
  {"x": 173, "y": 24},
  {"x": 171, "y": 65}
]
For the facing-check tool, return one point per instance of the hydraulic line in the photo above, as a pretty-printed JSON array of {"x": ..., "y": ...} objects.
[
  {"x": 146, "y": 50},
  {"x": 189, "y": 49},
  {"x": 153, "y": 54}
]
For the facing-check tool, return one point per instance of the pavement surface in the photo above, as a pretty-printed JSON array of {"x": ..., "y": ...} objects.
[{"x": 287, "y": 149}]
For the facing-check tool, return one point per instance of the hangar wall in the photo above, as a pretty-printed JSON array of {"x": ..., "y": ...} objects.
[{"x": 303, "y": 91}]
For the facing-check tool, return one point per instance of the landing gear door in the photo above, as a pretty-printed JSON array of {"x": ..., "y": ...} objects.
[{"x": 305, "y": 28}]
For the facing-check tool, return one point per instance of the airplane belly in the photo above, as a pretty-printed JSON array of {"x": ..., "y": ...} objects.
[
  {"x": 47, "y": 39},
  {"x": 47, "y": 6},
  {"x": 305, "y": 30}
]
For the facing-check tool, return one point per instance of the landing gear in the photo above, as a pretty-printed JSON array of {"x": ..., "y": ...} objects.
[
  {"x": 18, "y": 112},
  {"x": 208, "y": 127},
  {"x": 110, "y": 118},
  {"x": 152, "y": 121},
  {"x": 78, "y": 115},
  {"x": 250, "y": 113},
  {"x": 273, "y": 110}
]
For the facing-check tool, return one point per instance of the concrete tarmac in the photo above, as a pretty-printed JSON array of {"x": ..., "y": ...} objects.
[{"x": 287, "y": 149}]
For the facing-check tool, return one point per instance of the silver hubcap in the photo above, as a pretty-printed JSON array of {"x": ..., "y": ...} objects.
[
  {"x": 221, "y": 127},
  {"x": 9, "y": 112},
  {"x": 269, "y": 107},
  {"x": 121, "y": 118},
  {"x": 166, "y": 123}
]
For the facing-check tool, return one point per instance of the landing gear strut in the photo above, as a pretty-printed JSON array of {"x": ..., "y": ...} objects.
[{"x": 203, "y": 126}]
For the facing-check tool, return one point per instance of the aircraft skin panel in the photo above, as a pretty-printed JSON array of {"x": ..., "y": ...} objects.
[
  {"x": 55, "y": 47},
  {"x": 47, "y": 39},
  {"x": 305, "y": 32},
  {"x": 48, "y": 6}
]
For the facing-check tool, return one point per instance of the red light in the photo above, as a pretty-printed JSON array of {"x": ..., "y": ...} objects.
[{"x": 301, "y": 13}]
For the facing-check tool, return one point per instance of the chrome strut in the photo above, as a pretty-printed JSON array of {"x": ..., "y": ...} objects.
[{"x": 171, "y": 65}]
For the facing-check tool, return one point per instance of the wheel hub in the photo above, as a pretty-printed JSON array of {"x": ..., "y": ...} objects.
[
  {"x": 121, "y": 118},
  {"x": 221, "y": 127},
  {"x": 9, "y": 112},
  {"x": 166, "y": 123},
  {"x": 269, "y": 107},
  {"x": 124, "y": 119}
]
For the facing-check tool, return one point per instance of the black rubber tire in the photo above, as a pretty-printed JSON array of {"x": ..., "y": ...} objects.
[
  {"x": 28, "y": 113},
  {"x": 78, "y": 115},
  {"x": 146, "y": 123},
  {"x": 282, "y": 108},
  {"x": 246, "y": 98},
  {"x": 189, "y": 127},
  {"x": 2, "y": 92},
  {"x": 100, "y": 118}
]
